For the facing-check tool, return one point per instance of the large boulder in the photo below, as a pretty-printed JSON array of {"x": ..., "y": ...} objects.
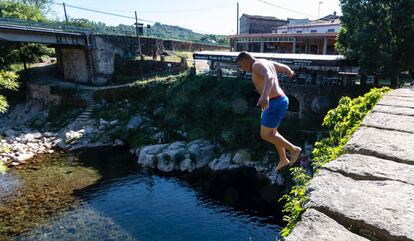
[
  {"x": 148, "y": 154},
  {"x": 223, "y": 162},
  {"x": 242, "y": 156}
]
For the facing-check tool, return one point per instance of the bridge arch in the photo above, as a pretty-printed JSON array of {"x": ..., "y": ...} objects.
[{"x": 294, "y": 105}]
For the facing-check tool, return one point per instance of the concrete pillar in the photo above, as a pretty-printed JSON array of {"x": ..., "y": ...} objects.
[
  {"x": 75, "y": 65},
  {"x": 325, "y": 44},
  {"x": 294, "y": 45},
  {"x": 261, "y": 47}
]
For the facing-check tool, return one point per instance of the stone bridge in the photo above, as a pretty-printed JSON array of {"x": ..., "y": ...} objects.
[
  {"x": 368, "y": 193},
  {"x": 83, "y": 56},
  {"x": 312, "y": 100}
]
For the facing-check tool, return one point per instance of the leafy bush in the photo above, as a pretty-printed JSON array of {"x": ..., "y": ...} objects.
[
  {"x": 8, "y": 80},
  {"x": 341, "y": 122}
]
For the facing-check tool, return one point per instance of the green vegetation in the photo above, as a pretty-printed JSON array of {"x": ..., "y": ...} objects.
[
  {"x": 222, "y": 110},
  {"x": 378, "y": 34},
  {"x": 8, "y": 80},
  {"x": 11, "y": 52},
  {"x": 3, "y": 167},
  {"x": 341, "y": 122},
  {"x": 158, "y": 30},
  {"x": 66, "y": 112}
]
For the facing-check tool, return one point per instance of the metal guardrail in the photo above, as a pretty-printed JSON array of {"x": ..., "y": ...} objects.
[{"x": 32, "y": 25}]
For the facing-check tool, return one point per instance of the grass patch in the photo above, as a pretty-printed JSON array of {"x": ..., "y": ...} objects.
[{"x": 341, "y": 122}]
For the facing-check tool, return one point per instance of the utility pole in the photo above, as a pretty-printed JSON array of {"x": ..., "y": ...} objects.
[
  {"x": 137, "y": 31},
  {"x": 237, "y": 30},
  {"x": 319, "y": 8},
  {"x": 66, "y": 16}
]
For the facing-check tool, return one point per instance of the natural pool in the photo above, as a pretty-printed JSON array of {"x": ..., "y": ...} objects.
[{"x": 105, "y": 195}]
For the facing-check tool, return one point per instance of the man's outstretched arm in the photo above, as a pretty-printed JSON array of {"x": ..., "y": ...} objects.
[{"x": 283, "y": 68}]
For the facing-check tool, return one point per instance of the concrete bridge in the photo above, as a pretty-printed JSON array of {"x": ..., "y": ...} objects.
[
  {"x": 367, "y": 193},
  {"x": 82, "y": 55}
]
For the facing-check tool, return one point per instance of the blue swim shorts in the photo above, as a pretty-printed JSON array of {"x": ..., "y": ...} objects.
[{"x": 273, "y": 115}]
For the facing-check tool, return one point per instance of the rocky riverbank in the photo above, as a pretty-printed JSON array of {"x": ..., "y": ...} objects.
[{"x": 26, "y": 132}]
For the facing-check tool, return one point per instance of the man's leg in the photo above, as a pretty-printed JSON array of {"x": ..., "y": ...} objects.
[{"x": 273, "y": 136}]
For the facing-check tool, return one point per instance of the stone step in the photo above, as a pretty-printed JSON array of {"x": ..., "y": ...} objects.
[
  {"x": 377, "y": 210},
  {"x": 317, "y": 226},
  {"x": 392, "y": 145},
  {"x": 390, "y": 122},
  {"x": 362, "y": 167},
  {"x": 394, "y": 110}
]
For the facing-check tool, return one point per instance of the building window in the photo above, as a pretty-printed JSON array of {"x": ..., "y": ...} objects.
[
  {"x": 313, "y": 31},
  {"x": 284, "y": 32},
  {"x": 298, "y": 31},
  {"x": 331, "y": 30}
]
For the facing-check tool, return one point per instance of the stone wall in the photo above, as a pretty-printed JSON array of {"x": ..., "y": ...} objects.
[
  {"x": 147, "y": 67},
  {"x": 40, "y": 94}
]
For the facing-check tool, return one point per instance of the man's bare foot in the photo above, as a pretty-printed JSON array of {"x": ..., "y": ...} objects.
[
  {"x": 295, "y": 155},
  {"x": 282, "y": 164}
]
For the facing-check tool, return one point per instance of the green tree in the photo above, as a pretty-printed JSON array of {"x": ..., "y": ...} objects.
[
  {"x": 378, "y": 34},
  {"x": 11, "y": 52},
  {"x": 8, "y": 80}
]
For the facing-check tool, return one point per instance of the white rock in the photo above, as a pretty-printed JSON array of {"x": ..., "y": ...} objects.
[
  {"x": 37, "y": 135},
  {"x": 223, "y": 162},
  {"x": 119, "y": 142},
  {"x": 24, "y": 157},
  {"x": 135, "y": 122},
  {"x": 114, "y": 122},
  {"x": 103, "y": 122},
  {"x": 29, "y": 137},
  {"x": 242, "y": 156},
  {"x": 48, "y": 134},
  {"x": 165, "y": 163},
  {"x": 187, "y": 165}
]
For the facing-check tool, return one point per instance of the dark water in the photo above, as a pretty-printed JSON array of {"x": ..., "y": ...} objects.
[{"x": 130, "y": 203}]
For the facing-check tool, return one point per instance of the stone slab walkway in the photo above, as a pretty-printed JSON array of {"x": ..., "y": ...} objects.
[{"x": 367, "y": 194}]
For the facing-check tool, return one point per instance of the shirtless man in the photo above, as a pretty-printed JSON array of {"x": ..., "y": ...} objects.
[{"x": 273, "y": 103}]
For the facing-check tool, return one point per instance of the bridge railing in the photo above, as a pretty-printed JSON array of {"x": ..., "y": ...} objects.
[{"x": 32, "y": 25}]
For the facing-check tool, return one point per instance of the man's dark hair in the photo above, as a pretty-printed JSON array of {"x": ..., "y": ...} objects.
[{"x": 243, "y": 55}]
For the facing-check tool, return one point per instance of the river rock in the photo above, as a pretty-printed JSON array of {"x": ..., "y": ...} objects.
[
  {"x": 37, "y": 135},
  {"x": 103, "y": 122},
  {"x": 29, "y": 137},
  {"x": 392, "y": 145},
  {"x": 146, "y": 154},
  {"x": 165, "y": 163},
  {"x": 24, "y": 157},
  {"x": 380, "y": 210},
  {"x": 242, "y": 156},
  {"x": 113, "y": 123},
  {"x": 118, "y": 142},
  {"x": 10, "y": 133},
  {"x": 135, "y": 122},
  {"x": 159, "y": 110},
  {"x": 187, "y": 165},
  {"x": 223, "y": 162},
  {"x": 48, "y": 134},
  {"x": 363, "y": 167},
  {"x": 319, "y": 227},
  {"x": 390, "y": 121}
]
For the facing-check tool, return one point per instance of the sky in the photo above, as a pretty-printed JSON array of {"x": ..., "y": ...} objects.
[{"x": 213, "y": 17}]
